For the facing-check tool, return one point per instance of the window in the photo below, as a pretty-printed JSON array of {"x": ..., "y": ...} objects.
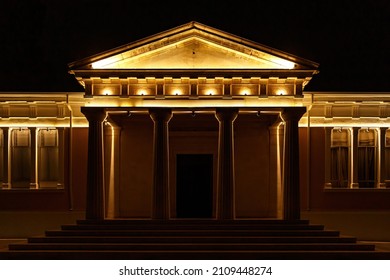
[
  {"x": 1, "y": 157},
  {"x": 366, "y": 156},
  {"x": 340, "y": 157},
  {"x": 21, "y": 158},
  {"x": 387, "y": 155},
  {"x": 355, "y": 157},
  {"x": 48, "y": 169},
  {"x": 32, "y": 158}
]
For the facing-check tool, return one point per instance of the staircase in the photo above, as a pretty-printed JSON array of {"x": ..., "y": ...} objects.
[{"x": 192, "y": 239}]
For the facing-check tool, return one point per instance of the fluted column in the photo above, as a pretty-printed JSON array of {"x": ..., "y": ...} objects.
[
  {"x": 291, "y": 189},
  {"x": 226, "y": 117},
  {"x": 160, "y": 117},
  {"x": 95, "y": 177}
]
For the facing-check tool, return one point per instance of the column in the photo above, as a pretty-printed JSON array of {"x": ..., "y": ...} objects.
[
  {"x": 382, "y": 158},
  {"x": 160, "y": 117},
  {"x": 354, "y": 156},
  {"x": 6, "y": 158},
  {"x": 112, "y": 167},
  {"x": 291, "y": 190},
  {"x": 225, "y": 206},
  {"x": 95, "y": 177},
  {"x": 33, "y": 164},
  {"x": 61, "y": 157},
  {"x": 328, "y": 164},
  {"x": 276, "y": 168}
]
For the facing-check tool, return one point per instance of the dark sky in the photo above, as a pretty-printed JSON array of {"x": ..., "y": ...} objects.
[{"x": 349, "y": 39}]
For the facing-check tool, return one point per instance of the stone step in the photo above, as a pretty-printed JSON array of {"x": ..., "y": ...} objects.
[
  {"x": 193, "y": 255},
  {"x": 194, "y": 247},
  {"x": 192, "y": 239},
  {"x": 156, "y": 232},
  {"x": 189, "y": 226},
  {"x": 191, "y": 222}
]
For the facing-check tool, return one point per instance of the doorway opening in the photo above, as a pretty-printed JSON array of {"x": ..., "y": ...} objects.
[{"x": 194, "y": 185}]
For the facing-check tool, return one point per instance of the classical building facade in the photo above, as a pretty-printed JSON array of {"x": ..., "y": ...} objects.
[{"x": 194, "y": 122}]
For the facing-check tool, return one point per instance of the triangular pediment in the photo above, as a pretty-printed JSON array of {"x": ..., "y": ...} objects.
[
  {"x": 193, "y": 46},
  {"x": 192, "y": 53}
]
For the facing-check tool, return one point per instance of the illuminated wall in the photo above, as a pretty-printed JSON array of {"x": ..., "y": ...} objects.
[{"x": 193, "y": 70}]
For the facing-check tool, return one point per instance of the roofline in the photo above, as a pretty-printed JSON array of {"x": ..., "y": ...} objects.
[
  {"x": 193, "y": 73},
  {"x": 42, "y": 92},
  {"x": 346, "y": 92},
  {"x": 82, "y": 92},
  {"x": 185, "y": 27}
]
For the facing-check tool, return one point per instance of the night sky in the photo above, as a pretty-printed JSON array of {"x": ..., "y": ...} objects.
[{"x": 349, "y": 39}]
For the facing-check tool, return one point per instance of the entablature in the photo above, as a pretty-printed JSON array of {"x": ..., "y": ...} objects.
[
  {"x": 196, "y": 85},
  {"x": 348, "y": 97}
]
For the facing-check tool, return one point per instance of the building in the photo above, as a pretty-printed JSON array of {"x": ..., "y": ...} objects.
[{"x": 194, "y": 122}]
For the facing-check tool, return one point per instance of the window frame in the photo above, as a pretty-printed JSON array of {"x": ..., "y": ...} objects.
[{"x": 7, "y": 150}]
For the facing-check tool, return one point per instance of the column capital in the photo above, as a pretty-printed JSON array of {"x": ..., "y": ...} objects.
[
  {"x": 160, "y": 114},
  {"x": 94, "y": 113},
  {"x": 226, "y": 114},
  {"x": 293, "y": 113}
]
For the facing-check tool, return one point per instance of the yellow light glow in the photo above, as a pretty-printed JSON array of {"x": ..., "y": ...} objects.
[
  {"x": 245, "y": 91},
  {"x": 203, "y": 100},
  {"x": 279, "y": 170},
  {"x": 247, "y": 102},
  {"x": 208, "y": 92},
  {"x": 104, "y": 62},
  {"x": 107, "y": 91},
  {"x": 35, "y": 123},
  {"x": 345, "y": 122},
  {"x": 111, "y": 184},
  {"x": 145, "y": 56},
  {"x": 284, "y": 63},
  {"x": 141, "y": 92},
  {"x": 177, "y": 91}
]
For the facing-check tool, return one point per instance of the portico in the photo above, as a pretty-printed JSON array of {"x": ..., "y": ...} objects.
[
  {"x": 193, "y": 90},
  {"x": 98, "y": 200}
]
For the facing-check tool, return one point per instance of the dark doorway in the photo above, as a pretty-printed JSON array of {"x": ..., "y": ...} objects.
[{"x": 194, "y": 185}]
